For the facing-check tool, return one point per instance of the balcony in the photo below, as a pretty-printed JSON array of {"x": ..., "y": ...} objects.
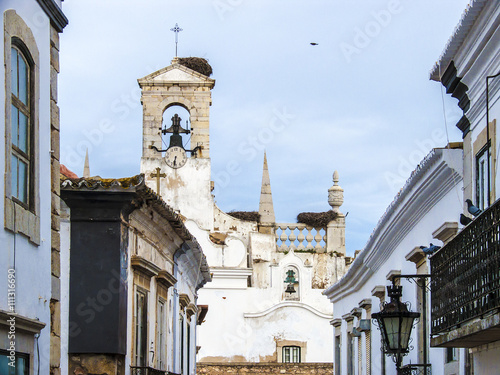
[{"x": 465, "y": 285}]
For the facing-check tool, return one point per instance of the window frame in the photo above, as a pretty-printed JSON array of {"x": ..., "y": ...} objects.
[
  {"x": 22, "y": 217},
  {"x": 481, "y": 185},
  {"x": 161, "y": 332},
  {"x": 25, "y": 109},
  {"x": 141, "y": 345},
  {"x": 294, "y": 355},
  {"x": 19, "y": 355}
]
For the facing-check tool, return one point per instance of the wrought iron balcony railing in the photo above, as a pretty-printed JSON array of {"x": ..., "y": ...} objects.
[
  {"x": 416, "y": 370},
  {"x": 465, "y": 281},
  {"x": 144, "y": 370}
]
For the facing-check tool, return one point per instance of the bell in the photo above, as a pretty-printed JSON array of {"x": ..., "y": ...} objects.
[{"x": 290, "y": 289}]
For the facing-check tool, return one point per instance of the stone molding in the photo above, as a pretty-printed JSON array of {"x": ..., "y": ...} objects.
[
  {"x": 379, "y": 292},
  {"x": 191, "y": 309},
  {"x": 288, "y": 304},
  {"x": 144, "y": 266},
  {"x": 446, "y": 232},
  {"x": 184, "y": 300},
  {"x": 166, "y": 279},
  {"x": 23, "y": 323},
  {"x": 416, "y": 256},
  {"x": 336, "y": 322}
]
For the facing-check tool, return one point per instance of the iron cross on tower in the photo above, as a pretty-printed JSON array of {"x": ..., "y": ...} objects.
[{"x": 176, "y": 29}]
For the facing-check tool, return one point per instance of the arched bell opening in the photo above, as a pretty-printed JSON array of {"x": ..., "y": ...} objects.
[
  {"x": 291, "y": 289},
  {"x": 176, "y": 127}
]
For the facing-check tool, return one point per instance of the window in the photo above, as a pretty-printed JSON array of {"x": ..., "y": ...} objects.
[
  {"x": 451, "y": 354},
  {"x": 21, "y": 364},
  {"x": 160, "y": 319},
  {"x": 337, "y": 354},
  {"x": 140, "y": 328},
  {"x": 181, "y": 323},
  {"x": 20, "y": 127},
  {"x": 188, "y": 346},
  {"x": 291, "y": 354},
  {"x": 350, "y": 354},
  {"x": 482, "y": 178},
  {"x": 22, "y": 100}
]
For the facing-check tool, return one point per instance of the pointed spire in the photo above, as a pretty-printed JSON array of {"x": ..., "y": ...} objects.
[
  {"x": 86, "y": 168},
  {"x": 266, "y": 209}
]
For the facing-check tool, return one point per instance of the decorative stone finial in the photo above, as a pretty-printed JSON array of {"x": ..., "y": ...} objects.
[
  {"x": 336, "y": 194},
  {"x": 175, "y": 60}
]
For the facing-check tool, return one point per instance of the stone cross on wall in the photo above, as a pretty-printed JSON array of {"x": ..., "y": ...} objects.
[{"x": 158, "y": 175}]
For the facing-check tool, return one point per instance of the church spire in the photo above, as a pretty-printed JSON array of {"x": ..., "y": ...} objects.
[
  {"x": 266, "y": 209},
  {"x": 86, "y": 167}
]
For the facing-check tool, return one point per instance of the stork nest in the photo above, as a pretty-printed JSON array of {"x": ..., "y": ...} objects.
[
  {"x": 197, "y": 64},
  {"x": 245, "y": 215},
  {"x": 316, "y": 219}
]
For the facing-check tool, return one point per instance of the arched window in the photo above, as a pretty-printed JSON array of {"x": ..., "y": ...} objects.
[
  {"x": 22, "y": 120},
  {"x": 21, "y": 134}
]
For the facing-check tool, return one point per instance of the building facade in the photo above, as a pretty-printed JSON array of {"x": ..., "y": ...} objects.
[
  {"x": 29, "y": 263},
  {"x": 465, "y": 282},
  {"x": 131, "y": 271},
  {"x": 425, "y": 210}
]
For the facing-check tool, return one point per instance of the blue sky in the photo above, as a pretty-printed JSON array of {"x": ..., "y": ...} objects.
[{"x": 359, "y": 102}]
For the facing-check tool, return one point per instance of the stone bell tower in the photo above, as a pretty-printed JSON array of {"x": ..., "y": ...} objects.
[
  {"x": 184, "y": 186},
  {"x": 176, "y": 85}
]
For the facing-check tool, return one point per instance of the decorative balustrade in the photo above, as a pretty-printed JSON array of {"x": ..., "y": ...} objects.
[
  {"x": 465, "y": 281},
  {"x": 300, "y": 237}
]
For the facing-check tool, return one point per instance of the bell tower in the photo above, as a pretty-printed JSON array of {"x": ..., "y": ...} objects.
[
  {"x": 177, "y": 166},
  {"x": 176, "y": 85}
]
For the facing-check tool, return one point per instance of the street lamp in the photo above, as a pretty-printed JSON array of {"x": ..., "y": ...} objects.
[{"x": 395, "y": 323}]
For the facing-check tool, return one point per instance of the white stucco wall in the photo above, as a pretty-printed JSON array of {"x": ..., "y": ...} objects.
[
  {"x": 371, "y": 272},
  {"x": 32, "y": 263}
]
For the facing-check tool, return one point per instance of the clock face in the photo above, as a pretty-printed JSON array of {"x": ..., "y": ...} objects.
[{"x": 175, "y": 157}]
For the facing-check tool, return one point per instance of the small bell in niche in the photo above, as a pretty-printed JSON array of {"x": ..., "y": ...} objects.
[
  {"x": 290, "y": 280},
  {"x": 290, "y": 289}
]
